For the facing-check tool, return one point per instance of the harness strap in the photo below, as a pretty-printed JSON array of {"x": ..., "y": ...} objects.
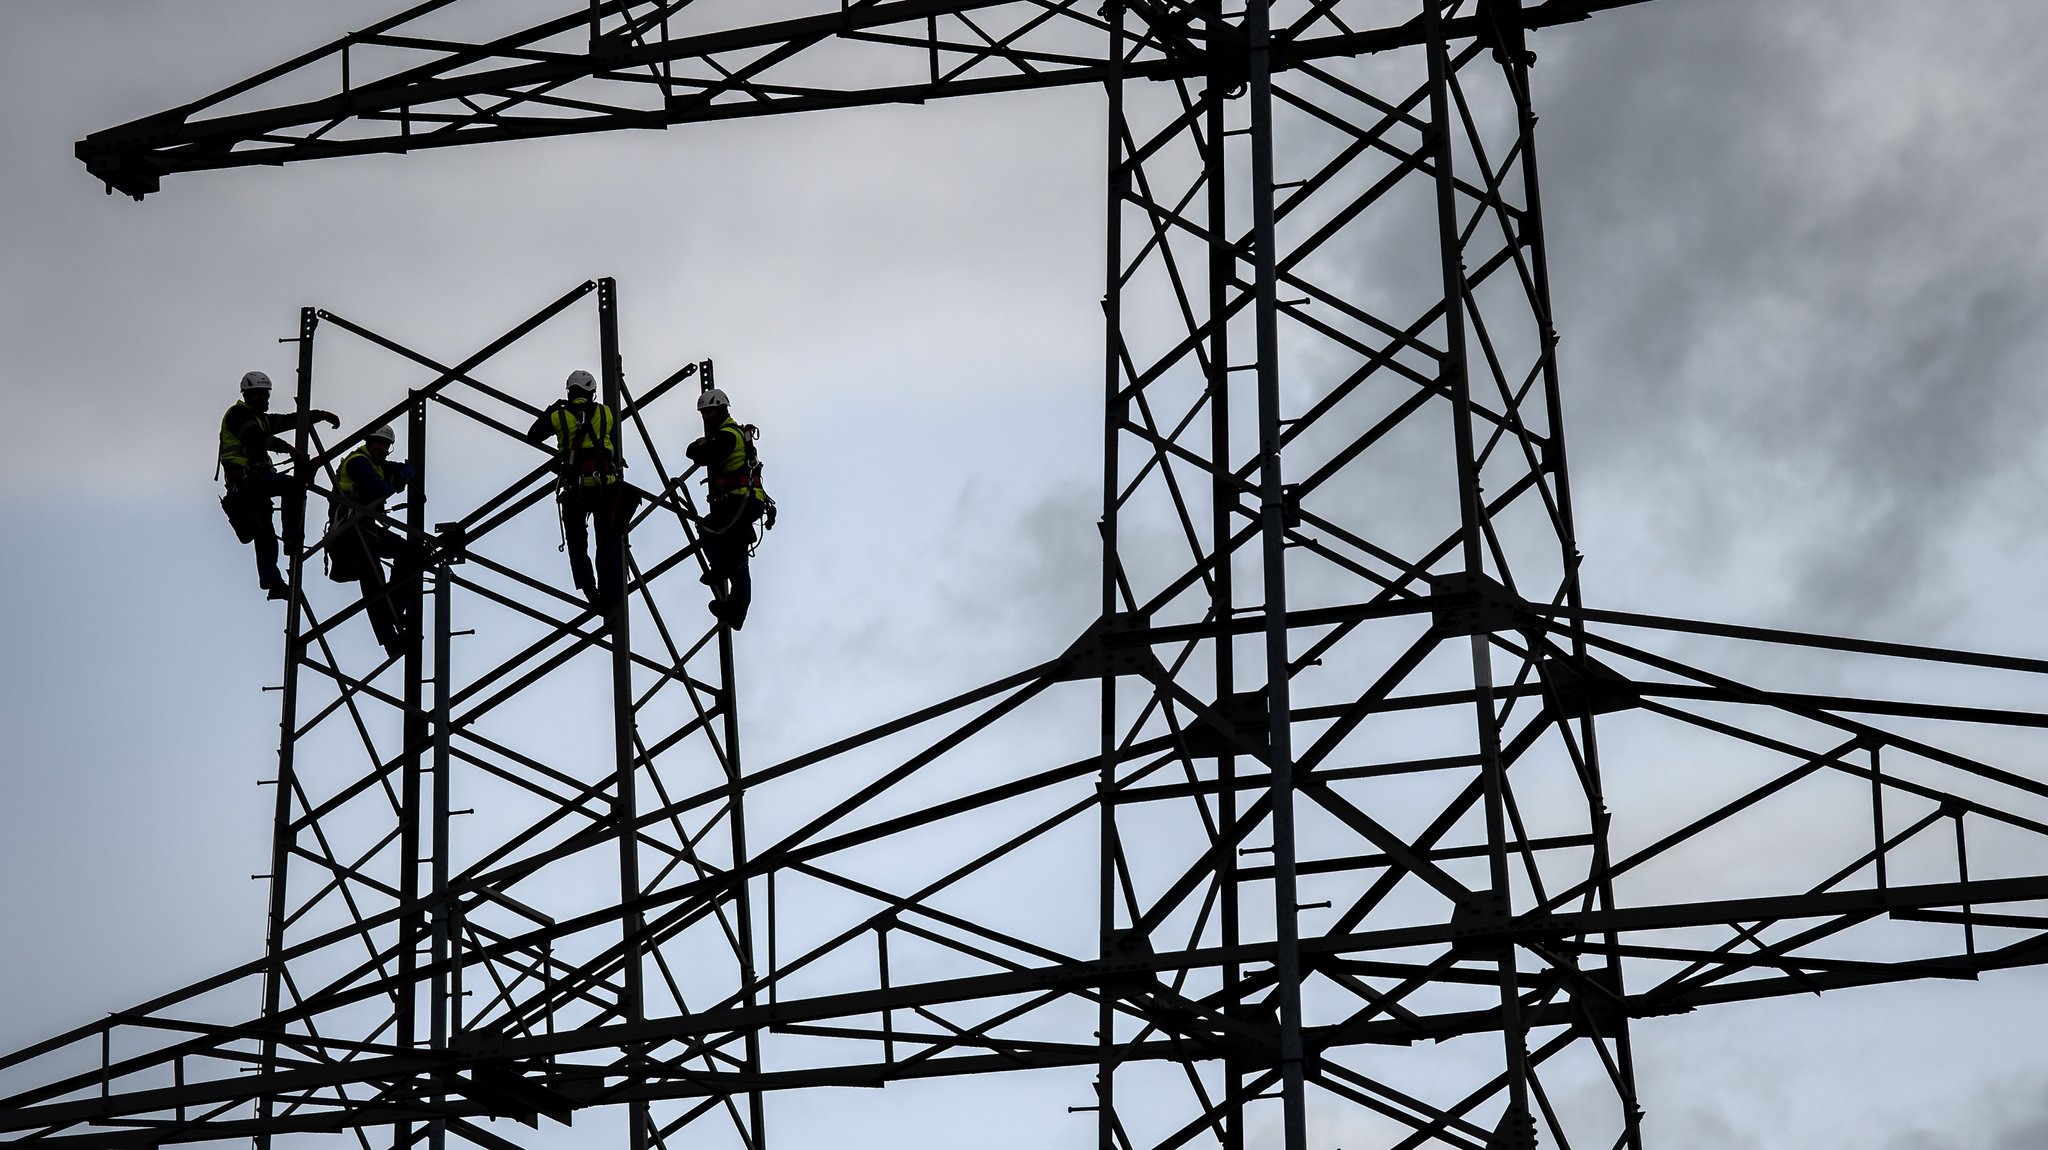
[{"x": 586, "y": 463}]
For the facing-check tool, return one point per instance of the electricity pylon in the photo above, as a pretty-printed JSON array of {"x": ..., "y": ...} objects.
[{"x": 1327, "y": 779}]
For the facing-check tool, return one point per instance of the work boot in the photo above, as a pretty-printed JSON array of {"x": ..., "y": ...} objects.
[
  {"x": 277, "y": 591},
  {"x": 719, "y": 612}
]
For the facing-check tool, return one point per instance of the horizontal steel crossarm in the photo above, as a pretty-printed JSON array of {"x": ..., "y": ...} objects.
[
  {"x": 1808, "y": 975},
  {"x": 699, "y": 1084},
  {"x": 2031, "y": 951},
  {"x": 1897, "y": 708},
  {"x": 1796, "y": 638},
  {"x": 1945, "y": 801},
  {"x": 1082, "y": 975},
  {"x": 1702, "y": 692},
  {"x": 1808, "y": 763},
  {"x": 445, "y": 91},
  {"x": 1868, "y": 735},
  {"x": 1106, "y": 975},
  {"x": 1802, "y": 963}
]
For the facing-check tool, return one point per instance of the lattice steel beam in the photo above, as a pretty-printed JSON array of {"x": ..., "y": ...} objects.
[{"x": 403, "y": 84}]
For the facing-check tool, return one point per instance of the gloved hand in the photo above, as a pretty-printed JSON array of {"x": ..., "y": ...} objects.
[
  {"x": 406, "y": 472},
  {"x": 327, "y": 417},
  {"x": 768, "y": 521}
]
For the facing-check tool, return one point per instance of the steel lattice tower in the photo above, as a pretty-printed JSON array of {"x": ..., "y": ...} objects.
[{"x": 1323, "y": 782}]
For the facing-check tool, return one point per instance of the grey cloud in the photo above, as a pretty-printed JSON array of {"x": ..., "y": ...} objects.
[
  {"x": 1037, "y": 575},
  {"x": 2018, "y": 1120},
  {"x": 2026, "y": 1130},
  {"x": 1797, "y": 298}
]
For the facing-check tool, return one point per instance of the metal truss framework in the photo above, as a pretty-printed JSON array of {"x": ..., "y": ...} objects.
[{"x": 1338, "y": 751}]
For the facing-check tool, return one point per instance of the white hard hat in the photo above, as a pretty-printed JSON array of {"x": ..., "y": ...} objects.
[
  {"x": 384, "y": 433},
  {"x": 712, "y": 397},
  {"x": 255, "y": 381},
  {"x": 583, "y": 381}
]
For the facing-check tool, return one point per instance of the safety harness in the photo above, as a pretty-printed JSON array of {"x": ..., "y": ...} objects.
[
  {"x": 348, "y": 511},
  {"x": 739, "y": 477},
  {"x": 583, "y": 442},
  {"x": 583, "y": 439}
]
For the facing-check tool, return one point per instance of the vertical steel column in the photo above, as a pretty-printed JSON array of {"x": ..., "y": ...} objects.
[
  {"x": 735, "y": 778},
  {"x": 410, "y": 599},
  {"x": 440, "y": 1006},
  {"x": 1117, "y": 184},
  {"x": 1222, "y": 501},
  {"x": 288, "y": 721},
  {"x": 1555, "y": 461},
  {"x": 1273, "y": 551},
  {"x": 624, "y": 806},
  {"x": 1516, "y": 1125}
]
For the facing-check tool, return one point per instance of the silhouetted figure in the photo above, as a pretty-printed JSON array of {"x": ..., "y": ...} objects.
[
  {"x": 248, "y": 434},
  {"x": 591, "y": 493},
  {"x": 732, "y": 472},
  {"x": 360, "y": 537}
]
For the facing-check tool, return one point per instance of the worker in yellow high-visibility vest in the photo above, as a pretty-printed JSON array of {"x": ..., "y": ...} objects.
[
  {"x": 591, "y": 491},
  {"x": 736, "y": 500},
  {"x": 248, "y": 434}
]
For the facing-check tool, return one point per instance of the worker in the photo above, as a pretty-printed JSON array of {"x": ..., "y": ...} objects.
[
  {"x": 360, "y": 538},
  {"x": 247, "y": 437},
  {"x": 732, "y": 472},
  {"x": 589, "y": 492}
]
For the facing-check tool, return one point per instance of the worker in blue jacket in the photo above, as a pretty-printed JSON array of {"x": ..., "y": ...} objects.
[{"x": 360, "y": 537}]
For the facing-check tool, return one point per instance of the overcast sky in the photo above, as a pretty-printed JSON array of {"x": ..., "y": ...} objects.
[{"x": 1800, "y": 275}]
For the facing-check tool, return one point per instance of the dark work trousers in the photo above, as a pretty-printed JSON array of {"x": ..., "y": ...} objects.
[
  {"x": 249, "y": 504},
  {"x": 728, "y": 535},
  {"x": 606, "y": 508},
  {"x": 360, "y": 550}
]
